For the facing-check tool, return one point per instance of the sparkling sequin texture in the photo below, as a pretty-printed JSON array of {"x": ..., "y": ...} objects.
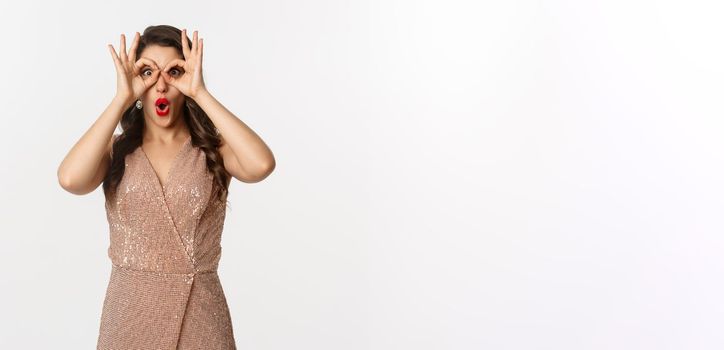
[{"x": 165, "y": 245}]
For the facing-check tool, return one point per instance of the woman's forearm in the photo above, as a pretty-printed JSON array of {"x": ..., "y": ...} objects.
[
  {"x": 252, "y": 155},
  {"x": 79, "y": 170}
]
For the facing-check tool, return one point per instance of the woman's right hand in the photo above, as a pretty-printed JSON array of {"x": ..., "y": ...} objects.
[{"x": 131, "y": 84}]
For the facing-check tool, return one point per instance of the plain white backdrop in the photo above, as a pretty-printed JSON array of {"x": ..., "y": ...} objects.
[{"x": 450, "y": 174}]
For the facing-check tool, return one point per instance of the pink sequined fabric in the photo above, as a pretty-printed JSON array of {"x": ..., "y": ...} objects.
[{"x": 164, "y": 291}]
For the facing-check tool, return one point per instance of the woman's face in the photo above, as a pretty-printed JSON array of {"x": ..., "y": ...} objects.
[{"x": 161, "y": 89}]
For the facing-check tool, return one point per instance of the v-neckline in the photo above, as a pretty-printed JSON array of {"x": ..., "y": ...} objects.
[{"x": 171, "y": 167}]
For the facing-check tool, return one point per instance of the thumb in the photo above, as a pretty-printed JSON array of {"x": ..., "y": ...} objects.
[
  {"x": 154, "y": 78},
  {"x": 168, "y": 78},
  {"x": 151, "y": 80}
]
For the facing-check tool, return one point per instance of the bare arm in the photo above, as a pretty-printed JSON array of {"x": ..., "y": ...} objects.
[
  {"x": 84, "y": 167},
  {"x": 246, "y": 157},
  {"x": 86, "y": 164}
]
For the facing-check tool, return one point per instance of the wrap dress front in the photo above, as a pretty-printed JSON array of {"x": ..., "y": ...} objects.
[{"x": 164, "y": 291}]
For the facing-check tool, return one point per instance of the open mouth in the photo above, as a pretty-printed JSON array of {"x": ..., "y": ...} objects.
[{"x": 162, "y": 106}]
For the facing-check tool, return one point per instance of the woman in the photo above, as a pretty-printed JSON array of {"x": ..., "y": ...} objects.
[{"x": 165, "y": 180}]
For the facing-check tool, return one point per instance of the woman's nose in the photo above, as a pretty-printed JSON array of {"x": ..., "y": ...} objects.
[{"x": 160, "y": 84}]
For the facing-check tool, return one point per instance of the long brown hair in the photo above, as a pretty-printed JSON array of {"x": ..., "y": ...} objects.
[{"x": 203, "y": 132}]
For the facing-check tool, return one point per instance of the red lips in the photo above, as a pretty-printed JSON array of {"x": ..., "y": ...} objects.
[{"x": 162, "y": 106}]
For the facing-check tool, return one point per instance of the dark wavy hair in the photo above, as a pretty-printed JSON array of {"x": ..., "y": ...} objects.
[{"x": 203, "y": 132}]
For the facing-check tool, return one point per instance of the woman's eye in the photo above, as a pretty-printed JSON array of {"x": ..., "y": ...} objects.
[
  {"x": 176, "y": 70},
  {"x": 146, "y": 71}
]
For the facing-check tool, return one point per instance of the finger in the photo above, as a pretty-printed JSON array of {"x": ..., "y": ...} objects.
[
  {"x": 195, "y": 43},
  {"x": 152, "y": 80},
  {"x": 185, "y": 44},
  {"x": 124, "y": 57},
  {"x": 169, "y": 79},
  {"x": 116, "y": 60},
  {"x": 134, "y": 47},
  {"x": 176, "y": 62},
  {"x": 201, "y": 50},
  {"x": 144, "y": 61},
  {"x": 171, "y": 65}
]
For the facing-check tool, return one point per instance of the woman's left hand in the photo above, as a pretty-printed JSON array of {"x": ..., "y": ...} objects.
[{"x": 190, "y": 82}]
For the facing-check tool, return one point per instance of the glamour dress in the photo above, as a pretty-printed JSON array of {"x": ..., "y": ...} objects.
[{"x": 164, "y": 291}]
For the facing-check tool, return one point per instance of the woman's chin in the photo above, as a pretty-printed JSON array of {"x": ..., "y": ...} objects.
[{"x": 165, "y": 120}]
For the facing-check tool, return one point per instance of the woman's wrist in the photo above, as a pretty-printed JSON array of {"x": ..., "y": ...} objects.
[{"x": 126, "y": 101}]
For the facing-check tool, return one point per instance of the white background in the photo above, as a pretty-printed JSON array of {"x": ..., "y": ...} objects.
[{"x": 450, "y": 174}]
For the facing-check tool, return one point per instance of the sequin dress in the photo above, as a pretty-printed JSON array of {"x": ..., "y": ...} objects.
[{"x": 164, "y": 291}]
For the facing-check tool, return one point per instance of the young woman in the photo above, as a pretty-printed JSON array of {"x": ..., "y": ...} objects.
[{"x": 165, "y": 179}]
